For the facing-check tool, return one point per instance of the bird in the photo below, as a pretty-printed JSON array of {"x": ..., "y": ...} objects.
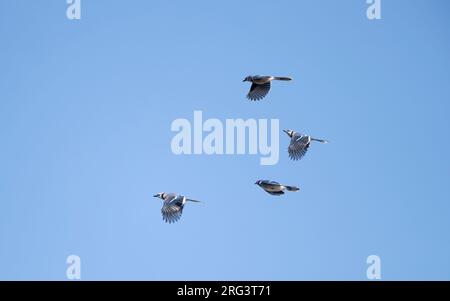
[
  {"x": 275, "y": 188},
  {"x": 173, "y": 206},
  {"x": 261, "y": 85},
  {"x": 299, "y": 144}
]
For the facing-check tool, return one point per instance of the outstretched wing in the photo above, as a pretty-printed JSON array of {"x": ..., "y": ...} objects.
[
  {"x": 172, "y": 209},
  {"x": 275, "y": 192},
  {"x": 269, "y": 182},
  {"x": 258, "y": 91},
  {"x": 299, "y": 146}
]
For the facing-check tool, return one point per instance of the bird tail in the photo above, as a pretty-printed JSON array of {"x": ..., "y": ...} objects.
[
  {"x": 292, "y": 188},
  {"x": 282, "y": 78},
  {"x": 189, "y": 200},
  {"x": 319, "y": 140}
]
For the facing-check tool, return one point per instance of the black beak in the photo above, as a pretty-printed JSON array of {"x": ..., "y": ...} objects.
[
  {"x": 286, "y": 131},
  {"x": 156, "y": 196}
]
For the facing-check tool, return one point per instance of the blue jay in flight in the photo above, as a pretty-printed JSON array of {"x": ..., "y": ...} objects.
[
  {"x": 172, "y": 206},
  {"x": 275, "y": 188},
  {"x": 299, "y": 144},
  {"x": 261, "y": 85}
]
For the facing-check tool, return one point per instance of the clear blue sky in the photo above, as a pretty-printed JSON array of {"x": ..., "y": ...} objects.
[{"x": 85, "y": 114}]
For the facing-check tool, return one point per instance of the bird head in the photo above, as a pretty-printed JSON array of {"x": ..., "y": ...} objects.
[
  {"x": 290, "y": 133},
  {"x": 160, "y": 195},
  {"x": 247, "y": 79},
  {"x": 258, "y": 182}
]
